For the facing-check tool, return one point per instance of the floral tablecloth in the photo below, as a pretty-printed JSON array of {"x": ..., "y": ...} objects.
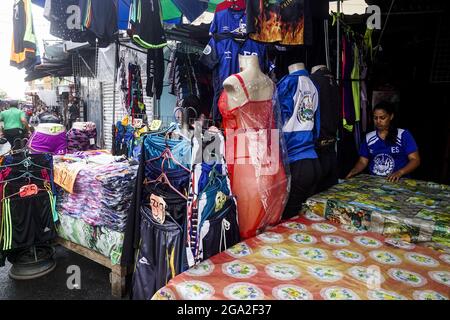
[
  {"x": 99, "y": 239},
  {"x": 311, "y": 258},
  {"x": 415, "y": 211}
]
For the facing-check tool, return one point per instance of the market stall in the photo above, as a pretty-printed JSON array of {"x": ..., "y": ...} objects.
[{"x": 308, "y": 258}]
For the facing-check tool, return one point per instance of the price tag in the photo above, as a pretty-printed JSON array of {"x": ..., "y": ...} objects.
[
  {"x": 92, "y": 141},
  {"x": 155, "y": 125},
  {"x": 28, "y": 190},
  {"x": 158, "y": 207},
  {"x": 66, "y": 175}
]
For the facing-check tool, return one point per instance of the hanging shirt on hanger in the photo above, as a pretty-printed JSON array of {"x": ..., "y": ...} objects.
[
  {"x": 229, "y": 21},
  {"x": 99, "y": 19},
  {"x": 192, "y": 9},
  {"x": 65, "y": 19},
  {"x": 240, "y": 4},
  {"x": 223, "y": 58},
  {"x": 281, "y": 21},
  {"x": 146, "y": 24},
  {"x": 24, "y": 49}
]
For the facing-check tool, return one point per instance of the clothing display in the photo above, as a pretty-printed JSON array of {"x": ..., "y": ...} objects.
[
  {"x": 99, "y": 20},
  {"x": 234, "y": 4},
  {"x": 24, "y": 50},
  {"x": 155, "y": 72},
  {"x": 256, "y": 166},
  {"x": 310, "y": 259},
  {"x": 65, "y": 19},
  {"x": 300, "y": 112},
  {"x": 135, "y": 95},
  {"x": 283, "y": 22},
  {"x": 329, "y": 125},
  {"x": 221, "y": 56},
  {"x": 47, "y": 143},
  {"x": 146, "y": 24},
  {"x": 102, "y": 194},
  {"x": 82, "y": 140},
  {"x": 212, "y": 224},
  {"x": 411, "y": 210},
  {"x": 229, "y": 21},
  {"x": 28, "y": 213}
]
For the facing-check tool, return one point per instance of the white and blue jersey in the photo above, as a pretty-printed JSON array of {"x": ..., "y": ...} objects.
[
  {"x": 300, "y": 112},
  {"x": 384, "y": 157}
]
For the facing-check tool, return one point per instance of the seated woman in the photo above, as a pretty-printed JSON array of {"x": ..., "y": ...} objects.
[{"x": 390, "y": 152}]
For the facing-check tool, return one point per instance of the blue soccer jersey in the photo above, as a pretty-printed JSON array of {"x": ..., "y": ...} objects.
[
  {"x": 384, "y": 157},
  {"x": 229, "y": 21}
]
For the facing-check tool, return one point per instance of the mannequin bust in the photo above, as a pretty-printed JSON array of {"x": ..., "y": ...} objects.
[
  {"x": 50, "y": 128},
  {"x": 259, "y": 86},
  {"x": 296, "y": 67},
  {"x": 318, "y": 67}
]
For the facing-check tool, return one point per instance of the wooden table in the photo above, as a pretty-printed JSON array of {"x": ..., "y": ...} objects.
[{"x": 118, "y": 273}]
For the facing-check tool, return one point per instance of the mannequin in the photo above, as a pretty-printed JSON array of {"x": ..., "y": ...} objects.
[
  {"x": 260, "y": 89},
  {"x": 257, "y": 174},
  {"x": 49, "y": 138},
  {"x": 329, "y": 126},
  {"x": 299, "y": 107},
  {"x": 317, "y": 68},
  {"x": 52, "y": 129},
  {"x": 296, "y": 67}
]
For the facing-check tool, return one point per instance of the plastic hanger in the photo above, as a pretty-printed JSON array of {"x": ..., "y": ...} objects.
[
  {"x": 164, "y": 179},
  {"x": 27, "y": 193}
]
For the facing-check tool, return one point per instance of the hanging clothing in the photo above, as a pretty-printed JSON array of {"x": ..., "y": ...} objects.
[
  {"x": 283, "y": 22},
  {"x": 258, "y": 179},
  {"x": 146, "y": 24},
  {"x": 300, "y": 113},
  {"x": 229, "y": 21},
  {"x": 240, "y": 4},
  {"x": 348, "y": 106},
  {"x": 99, "y": 20},
  {"x": 155, "y": 72},
  {"x": 192, "y": 9},
  {"x": 223, "y": 58},
  {"x": 65, "y": 19},
  {"x": 135, "y": 96},
  {"x": 24, "y": 52}
]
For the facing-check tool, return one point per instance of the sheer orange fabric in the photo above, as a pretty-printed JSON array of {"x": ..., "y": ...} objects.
[{"x": 257, "y": 172}]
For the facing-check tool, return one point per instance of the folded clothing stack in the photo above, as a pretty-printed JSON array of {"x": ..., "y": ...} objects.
[
  {"x": 82, "y": 140},
  {"x": 102, "y": 195}
]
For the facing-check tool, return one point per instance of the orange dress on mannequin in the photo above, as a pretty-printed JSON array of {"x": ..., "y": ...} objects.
[{"x": 257, "y": 172}]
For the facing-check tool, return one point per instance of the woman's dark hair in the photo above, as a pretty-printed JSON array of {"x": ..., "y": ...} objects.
[{"x": 390, "y": 110}]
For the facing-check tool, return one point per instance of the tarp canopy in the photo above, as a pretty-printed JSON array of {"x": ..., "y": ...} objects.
[{"x": 172, "y": 9}]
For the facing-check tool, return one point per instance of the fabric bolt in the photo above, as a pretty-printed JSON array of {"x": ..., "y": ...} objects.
[{"x": 46, "y": 143}]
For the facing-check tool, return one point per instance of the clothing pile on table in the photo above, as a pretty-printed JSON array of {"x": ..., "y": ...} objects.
[
  {"x": 102, "y": 194},
  {"x": 82, "y": 140}
]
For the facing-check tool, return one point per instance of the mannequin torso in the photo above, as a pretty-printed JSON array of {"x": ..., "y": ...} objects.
[
  {"x": 296, "y": 67},
  {"x": 50, "y": 128},
  {"x": 318, "y": 67},
  {"x": 259, "y": 86}
]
